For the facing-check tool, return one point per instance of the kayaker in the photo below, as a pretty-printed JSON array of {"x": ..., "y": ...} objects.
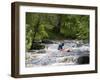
[{"x": 60, "y": 47}]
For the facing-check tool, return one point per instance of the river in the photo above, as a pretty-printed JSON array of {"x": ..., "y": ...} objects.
[{"x": 51, "y": 56}]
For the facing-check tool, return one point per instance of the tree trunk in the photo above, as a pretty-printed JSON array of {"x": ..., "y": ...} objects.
[
  {"x": 58, "y": 25},
  {"x": 35, "y": 31}
]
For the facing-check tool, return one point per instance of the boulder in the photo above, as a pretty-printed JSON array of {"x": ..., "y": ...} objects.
[
  {"x": 38, "y": 46},
  {"x": 83, "y": 60},
  {"x": 46, "y": 41}
]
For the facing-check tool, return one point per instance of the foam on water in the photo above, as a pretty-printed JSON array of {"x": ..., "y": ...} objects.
[{"x": 53, "y": 56}]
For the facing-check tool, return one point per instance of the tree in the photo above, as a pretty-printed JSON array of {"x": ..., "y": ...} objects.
[
  {"x": 83, "y": 30},
  {"x": 69, "y": 26},
  {"x": 40, "y": 26}
]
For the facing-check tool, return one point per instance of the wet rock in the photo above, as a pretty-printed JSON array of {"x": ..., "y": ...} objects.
[
  {"x": 83, "y": 60},
  {"x": 37, "y": 46},
  {"x": 46, "y": 41}
]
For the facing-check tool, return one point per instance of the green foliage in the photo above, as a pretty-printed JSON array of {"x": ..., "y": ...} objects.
[
  {"x": 29, "y": 33},
  {"x": 41, "y": 34},
  {"x": 40, "y": 26},
  {"x": 83, "y": 30},
  {"x": 69, "y": 26}
]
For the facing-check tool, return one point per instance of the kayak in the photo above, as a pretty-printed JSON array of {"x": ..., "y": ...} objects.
[{"x": 66, "y": 50}]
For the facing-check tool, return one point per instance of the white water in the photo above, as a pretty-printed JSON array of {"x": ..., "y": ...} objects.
[{"x": 52, "y": 56}]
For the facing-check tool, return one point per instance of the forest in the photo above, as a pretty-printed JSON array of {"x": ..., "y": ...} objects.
[{"x": 41, "y": 27}]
